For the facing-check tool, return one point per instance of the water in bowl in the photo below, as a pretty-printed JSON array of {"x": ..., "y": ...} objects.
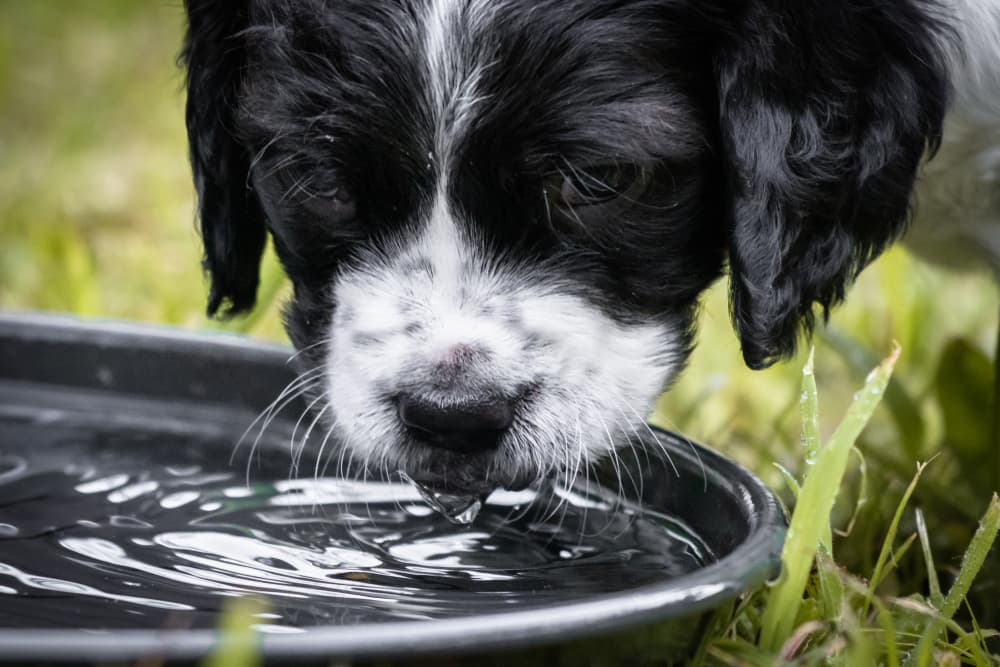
[{"x": 106, "y": 528}]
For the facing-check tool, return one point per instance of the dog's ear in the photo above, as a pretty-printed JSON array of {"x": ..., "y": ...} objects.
[
  {"x": 826, "y": 109},
  {"x": 232, "y": 222}
]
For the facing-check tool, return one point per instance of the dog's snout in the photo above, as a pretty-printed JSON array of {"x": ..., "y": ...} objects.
[{"x": 469, "y": 426}]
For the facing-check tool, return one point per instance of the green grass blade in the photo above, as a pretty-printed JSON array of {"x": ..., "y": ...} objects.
[
  {"x": 890, "y": 535},
  {"x": 829, "y": 584},
  {"x": 978, "y": 647},
  {"x": 830, "y": 588},
  {"x": 809, "y": 409},
  {"x": 972, "y": 562},
  {"x": 894, "y": 560},
  {"x": 741, "y": 654},
  {"x": 793, "y": 484},
  {"x": 862, "y": 493},
  {"x": 890, "y": 642},
  {"x": 861, "y": 650},
  {"x": 995, "y": 426},
  {"x": 238, "y": 643},
  {"x": 812, "y": 512},
  {"x": 903, "y": 407},
  {"x": 933, "y": 585}
]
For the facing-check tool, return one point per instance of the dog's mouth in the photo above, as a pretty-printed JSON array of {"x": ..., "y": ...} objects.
[
  {"x": 464, "y": 475},
  {"x": 456, "y": 486}
]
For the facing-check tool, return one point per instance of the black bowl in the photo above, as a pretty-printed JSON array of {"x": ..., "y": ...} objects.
[{"x": 143, "y": 376}]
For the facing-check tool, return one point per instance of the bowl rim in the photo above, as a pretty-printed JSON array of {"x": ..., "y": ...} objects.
[{"x": 748, "y": 566}]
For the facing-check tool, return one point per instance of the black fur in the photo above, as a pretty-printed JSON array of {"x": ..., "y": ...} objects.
[
  {"x": 826, "y": 109},
  {"x": 783, "y": 135},
  {"x": 232, "y": 222}
]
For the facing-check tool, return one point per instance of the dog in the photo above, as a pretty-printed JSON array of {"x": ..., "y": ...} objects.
[{"x": 498, "y": 215}]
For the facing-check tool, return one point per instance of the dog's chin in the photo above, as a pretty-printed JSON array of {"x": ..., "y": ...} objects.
[{"x": 463, "y": 474}]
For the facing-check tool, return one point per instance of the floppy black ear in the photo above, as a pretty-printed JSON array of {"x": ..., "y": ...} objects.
[
  {"x": 826, "y": 109},
  {"x": 232, "y": 223}
]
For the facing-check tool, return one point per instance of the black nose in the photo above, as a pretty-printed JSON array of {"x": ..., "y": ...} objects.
[{"x": 469, "y": 426}]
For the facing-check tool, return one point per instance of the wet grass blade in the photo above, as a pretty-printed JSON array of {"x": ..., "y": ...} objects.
[
  {"x": 973, "y": 560},
  {"x": 811, "y": 519},
  {"x": 829, "y": 584},
  {"x": 903, "y": 407},
  {"x": 809, "y": 409}
]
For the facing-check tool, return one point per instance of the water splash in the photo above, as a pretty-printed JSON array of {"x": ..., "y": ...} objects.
[{"x": 461, "y": 509}]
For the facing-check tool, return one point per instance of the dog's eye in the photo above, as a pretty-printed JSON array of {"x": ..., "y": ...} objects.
[
  {"x": 576, "y": 187},
  {"x": 335, "y": 204}
]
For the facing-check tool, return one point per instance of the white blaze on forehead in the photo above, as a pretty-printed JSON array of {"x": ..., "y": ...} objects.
[
  {"x": 453, "y": 76},
  {"x": 453, "y": 71}
]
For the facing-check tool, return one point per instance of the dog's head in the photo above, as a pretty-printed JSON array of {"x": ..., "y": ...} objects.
[{"x": 498, "y": 215}]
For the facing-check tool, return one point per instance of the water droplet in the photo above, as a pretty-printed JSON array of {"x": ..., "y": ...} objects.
[{"x": 459, "y": 508}]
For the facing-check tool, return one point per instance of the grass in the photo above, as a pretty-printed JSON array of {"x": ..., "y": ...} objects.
[
  {"x": 818, "y": 612},
  {"x": 97, "y": 218}
]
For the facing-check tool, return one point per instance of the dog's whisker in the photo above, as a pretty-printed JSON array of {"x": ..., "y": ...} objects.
[
  {"x": 259, "y": 155},
  {"x": 290, "y": 388},
  {"x": 322, "y": 448},
  {"x": 308, "y": 409},
  {"x": 637, "y": 484},
  {"x": 299, "y": 185},
  {"x": 325, "y": 340},
  {"x": 269, "y": 419},
  {"x": 265, "y": 424},
  {"x": 297, "y": 456},
  {"x": 691, "y": 446}
]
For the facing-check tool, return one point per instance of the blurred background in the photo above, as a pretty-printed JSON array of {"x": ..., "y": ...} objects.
[{"x": 97, "y": 218}]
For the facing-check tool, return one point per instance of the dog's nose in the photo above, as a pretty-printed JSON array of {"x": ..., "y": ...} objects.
[{"x": 468, "y": 427}]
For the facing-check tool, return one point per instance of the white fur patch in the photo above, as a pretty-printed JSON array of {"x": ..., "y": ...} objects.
[
  {"x": 594, "y": 378},
  {"x": 453, "y": 75}
]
